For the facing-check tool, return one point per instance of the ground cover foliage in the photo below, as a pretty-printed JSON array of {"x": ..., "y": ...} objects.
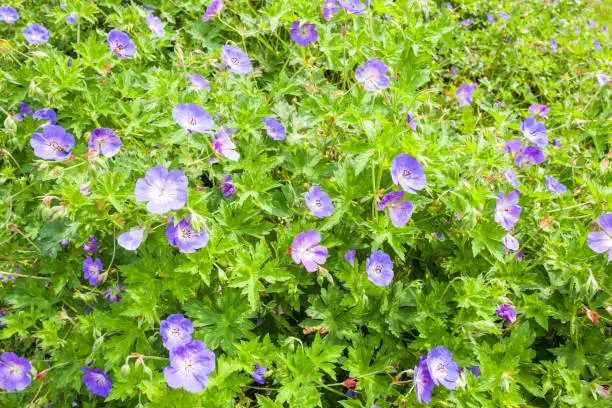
[{"x": 211, "y": 205}]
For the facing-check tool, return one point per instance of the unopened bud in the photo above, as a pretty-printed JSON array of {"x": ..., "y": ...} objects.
[{"x": 125, "y": 371}]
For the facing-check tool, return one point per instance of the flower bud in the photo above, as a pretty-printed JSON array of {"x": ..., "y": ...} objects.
[{"x": 125, "y": 370}]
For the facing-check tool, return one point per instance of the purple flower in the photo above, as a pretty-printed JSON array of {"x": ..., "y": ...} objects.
[
  {"x": 557, "y": 143},
  {"x": 400, "y": 213},
  {"x": 373, "y": 75},
  {"x": 258, "y": 374},
  {"x": 466, "y": 23},
  {"x": 96, "y": 381},
  {"x": 591, "y": 24},
  {"x": 104, "y": 140},
  {"x": 349, "y": 256},
  {"x": 224, "y": 145},
  {"x": 602, "y": 79},
  {"x": 534, "y": 131},
  {"x": 53, "y": 144},
  {"x": 379, "y": 267},
  {"x": 303, "y": 34},
  {"x": 553, "y": 185},
  {"x": 8, "y": 14},
  {"x": 14, "y": 372},
  {"x": 274, "y": 129},
  {"x": 36, "y": 34},
  {"x": 602, "y": 241},
  {"x": 449, "y": 6},
  {"x": 156, "y": 25},
  {"x": 190, "y": 365},
  {"x": 578, "y": 32},
  {"x": 213, "y": 10},
  {"x": 475, "y": 370},
  {"x": 352, "y": 6},
  {"x": 236, "y": 60},
  {"x": 465, "y": 93},
  {"x": 305, "y": 250},
  {"x": 530, "y": 155},
  {"x": 553, "y": 44},
  {"x": 490, "y": 18},
  {"x": 411, "y": 122},
  {"x": 506, "y": 312},
  {"x": 319, "y": 202},
  {"x": 510, "y": 177},
  {"x": 84, "y": 188},
  {"x": 503, "y": 16},
  {"x": 507, "y": 210},
  {"x": 24, "y": 110},
  {"x": 113, "y": 295},
  {"x": 392, "y": 197},
  {"x": 407, "y": 172},
  {"x": 71, "y": 19},
  {"x": 120, "y": 44},
  {"x": 423, "y": 383},
  {"x": 198, "y": 82},
  {"x": 226, "y": 186},
  {"x": 45, "y": 114},
  {"x": 538, "y": 110},
  {"x": 184, "y": 237},
  {"x": 131, "y": 239},
  {"x": 92, "y": 270},
  {"x": 91, "y": 245},
  {"x": 453, "y": 71},
  {"x": 329, "y": 9},
  {"x": 192, "y": 118},
  {"x": 175, "y": 331},
  {"x": 162, "y": 190},
  {"x": 597, "y": 44},
  {"x": 510, "y": 243},
  {"x": 604, "y": 30},
  {"x": 442, "y": 368}
]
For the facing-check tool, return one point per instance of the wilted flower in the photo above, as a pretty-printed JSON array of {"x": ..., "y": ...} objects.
[
  {"x": 475, "y": 370},
  {"x": 411, "y": 122},
  {"x": 534, "y": 131},
  {"x": 36, "y": 34},
  {"x": 54, "y": 143},
  {"x": 538, "y": 110},
  {"x": 224, "y": 145},
  {"x": 113, "y": 295},
  {"x": 510, "y": 243},
  {"x": 92, "y": 270},
  {"x": 305, "y": 250},
  {"x": 236, "y": 60},
  {"x": 530, "y": 155},
  {"x": 258, "y": 374},
  {"x": 162, "y": 190},
  {"x": 183, "y": 236},
  {"x": 14, "y": 372},
  {"x": 71, "y": 19},
  {"x": 91, "y": 245},
  {"x": 226, "y": 186},
  {"x": 507, "y": 211},
  {"x": 602, "y": 241},
  {"x": 352, "y": 6},
  {"x": 8, "y": 14},
  {"x": 104, "y": 140},
  {"x": 465, "y": 93},
  {"x": 198, "y": 82},
  {"x": 303, "y": 34},
  {"x": 349, "y": 256},
  {"x": 408, "y": 173},
  {"x": 156, "y": 25},
  {"x": 24, "y": 110},
  {"x": 212, "y": 10},
  {"x": 274, "y": 129},
  {"x": 506, "y": 312},
  {"x": 379, "y": 267},
  {"x": 442, "y": 367},
  {"x": 45, "y": 114},
  {"x": 373, "y": 75},
  {"x": 120, "y": 44},
  {"x": 593, "y": 316},
  {"x": 192, "y": 118},
  {"x": 399, "y": 213},
  {"x": 510, "y": 177},
  {"x": 329, "y": 9},
  {"x": 96, "y": 381},
  {"x": 84, "y": 188},
  {"x": 423, "y": 382},
  {"x": 175, "y": 331},
  {"x": 602, "y": 390},
  {"x": 319, "y": 202},
  {"x": 131, "y": 239},
  {"x": 553, "y": 185},
  {"x": 190, "y": 365}
]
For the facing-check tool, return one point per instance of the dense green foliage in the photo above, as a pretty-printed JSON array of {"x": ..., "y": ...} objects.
[{"x": 249, "y": 302}]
